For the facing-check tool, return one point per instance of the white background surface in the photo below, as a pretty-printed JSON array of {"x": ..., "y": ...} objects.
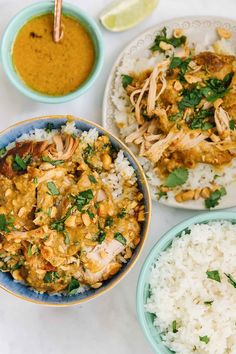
[{"x": 107, "y": 324}]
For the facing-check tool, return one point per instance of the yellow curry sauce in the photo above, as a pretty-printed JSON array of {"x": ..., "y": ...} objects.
[
  {"x": 61, "y": 226},
  {"x": 53, "y": 68}
]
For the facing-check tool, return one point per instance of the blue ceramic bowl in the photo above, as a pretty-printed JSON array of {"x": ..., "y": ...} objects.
[
  {"x": 143, "y": 291},
  {"x": 38, "y": 9},
  {"x": 22, "y": 291}
]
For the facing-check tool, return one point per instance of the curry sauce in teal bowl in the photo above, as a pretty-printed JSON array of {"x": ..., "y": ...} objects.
[{"x": 44, "y": 70}]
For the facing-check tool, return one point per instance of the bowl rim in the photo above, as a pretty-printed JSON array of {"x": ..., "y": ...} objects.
[
  {"x": 160, "y": 246},
  {"x": 134, "y": 259},
  {"x": 23, "y": 88}
]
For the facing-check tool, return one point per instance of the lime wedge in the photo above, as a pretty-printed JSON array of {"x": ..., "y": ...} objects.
[{"x": 124, "y": 14}]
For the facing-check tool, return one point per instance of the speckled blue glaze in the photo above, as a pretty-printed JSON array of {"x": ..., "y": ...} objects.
[{"x": 21, "y": 290}]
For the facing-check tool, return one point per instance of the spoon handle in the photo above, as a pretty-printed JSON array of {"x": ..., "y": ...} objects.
[{"x": 57, "y": 32}]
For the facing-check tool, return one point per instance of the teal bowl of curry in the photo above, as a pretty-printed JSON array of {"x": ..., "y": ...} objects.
[
  {"x": 74, "y": 210},
  {"x": 46, "y": 71}
]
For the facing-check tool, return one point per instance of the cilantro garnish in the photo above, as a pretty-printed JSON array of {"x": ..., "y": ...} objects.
[
  {"x": 20, "y": 164},
  {"x": 92, "y": 179},
  {"x": 101, "y": 236},
  {"x": 204, "y": 339},
  {"x": 50, "y": 277},
  {"x": 162, "y": 37},
  {"x": 73, "y": 286},
  {"x": 52, "y": 162},
  {"x": 49, "y": 127},
  {"x": 126, "y": 80},
  {"x": 6, "y": 224},
  {"x": 214, "y": 198},
  {"x": 213, "y": 275},
  {"x": 174, "y": 327},
  {"x": 177, "y": 177},
  {"x": 53, "y": 190},
  {"x": 2, "y": 151},
  {"x": 120, "y": 238},
  {"x": 231, "y": 280},
  {"x": 122, "y": 213}
]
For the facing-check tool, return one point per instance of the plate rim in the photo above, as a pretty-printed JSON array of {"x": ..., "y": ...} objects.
[{"x": 111, "y": 77}]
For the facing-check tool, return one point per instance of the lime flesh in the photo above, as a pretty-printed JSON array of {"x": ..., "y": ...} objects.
[{"x": 124, "y": 14}]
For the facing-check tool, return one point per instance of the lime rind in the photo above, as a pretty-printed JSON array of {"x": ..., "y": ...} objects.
[{"x": 124, "y": 14}]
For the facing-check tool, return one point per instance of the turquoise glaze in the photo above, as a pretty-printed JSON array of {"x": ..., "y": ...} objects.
[
  {"x": 25, "y": 15},
  {"x": 145, "y": 318},
  {"x": 21, "y": 290}
]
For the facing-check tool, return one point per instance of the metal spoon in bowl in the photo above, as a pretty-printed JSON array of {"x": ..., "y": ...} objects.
[{"x": 57, "y": 27}]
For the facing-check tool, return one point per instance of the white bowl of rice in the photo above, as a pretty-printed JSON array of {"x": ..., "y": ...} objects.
[{"x": 186, "y": 292}]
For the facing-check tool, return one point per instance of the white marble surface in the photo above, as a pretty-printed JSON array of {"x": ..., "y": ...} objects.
[{"x": 107, "y": 324}]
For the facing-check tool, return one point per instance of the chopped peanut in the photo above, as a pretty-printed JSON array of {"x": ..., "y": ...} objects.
[
  {"x": 192, "y": 79},
  {"x": 165, "y": 46},
  {"x": 86, "y": 219},
  {"x": 184, "y": 196},
  {"x": 71, "y": 220},
  {"x": 197, "y": 193},
  {"x": 178, "y": 32},
  {"x": 205, "y": 193},
  {"x": 224, "y": 33},
  {"x": 178, "y": 86},
  {"x": 106, "y": 161}
]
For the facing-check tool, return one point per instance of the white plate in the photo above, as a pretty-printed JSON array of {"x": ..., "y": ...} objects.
[{"x": 198, "y": 30}]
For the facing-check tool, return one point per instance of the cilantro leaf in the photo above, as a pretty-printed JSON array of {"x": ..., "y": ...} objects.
[
  {"x": 53, "y": 190},
  {"x": 6, "y": 223},
  {"x": 126, "y": 80},
  {"x": 101, "y": 236},
  {"x": 2, "y": 151},
  {"x": 204, "y": 339},
  {"x": 20, "y": 164},
  {"x": 92, "y": 179},
  {"x": 50, "y": 277},
  {"x": 120, "y": 238},
  {"x": 177, "y": 177},
  {"x": 49, "y": 127},
  {"x": 109, "y": 221},
  {"x": 214, "y": 198},
  {"x": 231, "y": 280},
  {"x": 52, "y": 162},
  {"x": 232, "y": 124},
  {"x": 213, "y": 275},
  {"x": 83, "y": 198},
  {"x": 174, "y": 327},
  {"x": 122, "y": 213},
  {"x": 73, "y": 286},
  {"x": 191, "y": 98}
]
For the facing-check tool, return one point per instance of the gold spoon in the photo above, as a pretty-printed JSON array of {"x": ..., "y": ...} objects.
[{"x": 57, "y": 27}]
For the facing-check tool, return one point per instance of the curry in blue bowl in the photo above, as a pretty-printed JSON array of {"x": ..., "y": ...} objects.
[{"x": 74, "y": 210}]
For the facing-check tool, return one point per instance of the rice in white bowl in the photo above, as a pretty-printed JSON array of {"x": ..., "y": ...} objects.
[{"x": 185, "y": 297}]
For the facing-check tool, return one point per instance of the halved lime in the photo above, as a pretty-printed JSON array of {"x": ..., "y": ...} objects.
[{"x": 124, "y": 14}]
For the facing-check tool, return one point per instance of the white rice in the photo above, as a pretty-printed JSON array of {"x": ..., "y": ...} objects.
[
  {"x": 179, "y": 287},
  {"x": 203, "y": 174}
]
